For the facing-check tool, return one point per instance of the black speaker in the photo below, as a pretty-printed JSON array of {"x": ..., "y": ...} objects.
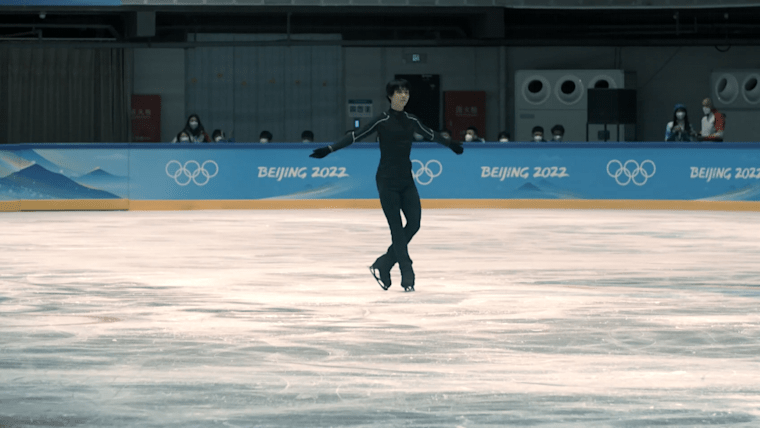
[{"x": 611, "y": 106}]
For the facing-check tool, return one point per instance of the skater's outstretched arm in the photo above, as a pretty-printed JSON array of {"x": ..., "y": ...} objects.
[
  {"x": 351, "y": 137},
  {"x": 431, "y": 135}
]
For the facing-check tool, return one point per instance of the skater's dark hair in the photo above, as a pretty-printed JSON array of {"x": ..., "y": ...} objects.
[{"x": 395, "y": 85}]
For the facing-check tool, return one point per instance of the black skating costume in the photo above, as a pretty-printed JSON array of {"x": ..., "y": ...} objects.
[{"x": 395, "y": 184}]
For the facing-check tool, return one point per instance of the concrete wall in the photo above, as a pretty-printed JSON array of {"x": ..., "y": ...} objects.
[
  {"x": 664, "y": 76},
  {"x": 162, "y": 72},
  {"x": 367, "y": 70}
]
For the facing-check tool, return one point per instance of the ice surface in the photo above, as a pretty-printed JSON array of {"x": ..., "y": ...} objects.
[{"x": 271, "y": 319}]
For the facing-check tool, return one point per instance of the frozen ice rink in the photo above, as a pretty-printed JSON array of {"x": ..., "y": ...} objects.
[{"x": 542, "y": 318}]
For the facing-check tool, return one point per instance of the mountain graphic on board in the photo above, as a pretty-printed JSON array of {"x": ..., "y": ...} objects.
[
  {"x": 529, "y": 187},
  {"x": 36, "y": 180}
]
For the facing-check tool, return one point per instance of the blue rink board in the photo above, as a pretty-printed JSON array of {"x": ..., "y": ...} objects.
[{"x": 594, "y": 171}]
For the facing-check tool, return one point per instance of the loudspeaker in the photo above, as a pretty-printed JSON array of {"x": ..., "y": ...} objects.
[{"x": 612, "y": 106}]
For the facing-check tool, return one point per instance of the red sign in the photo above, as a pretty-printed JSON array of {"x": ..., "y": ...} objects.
[
  {"x": 464, "y": 109},
  {"x": 146, "y": 118}
]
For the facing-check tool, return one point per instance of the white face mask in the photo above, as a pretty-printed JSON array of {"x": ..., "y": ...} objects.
[
  {"x": 264, "y": 140},
  {"x": 680, "y": 115},
  {"x": 445, "y": 135},
  {"x": 538, "y": 137},
  {"x": 217, "y": 139},
  {"x": 193, "y": 124},
  {"x": 468, "y": 137},
  {"x": 557, "y": 137},
  {"x": 184, "y": 139},
  {"x": 503, "y": 140},
  {"x": 706, "y": 110},
  {"x": 306, "y": 141}
]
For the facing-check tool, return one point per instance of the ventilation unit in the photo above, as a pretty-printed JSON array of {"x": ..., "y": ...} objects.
[
  {"x": 736, "y": 93},
  {"x": 550, "y": 97}
]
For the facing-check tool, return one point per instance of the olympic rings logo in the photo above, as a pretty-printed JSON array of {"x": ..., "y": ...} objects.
[
  {"x": 190, "y": 171},
  {"x": 630, "y": 170},
  {"x": 426, "y": 170}
]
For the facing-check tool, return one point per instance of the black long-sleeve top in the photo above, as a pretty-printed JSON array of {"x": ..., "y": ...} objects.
[{"x": 395, "y": 129}]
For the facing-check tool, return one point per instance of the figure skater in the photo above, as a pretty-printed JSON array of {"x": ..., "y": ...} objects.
[{"x": 395, "y": 184}]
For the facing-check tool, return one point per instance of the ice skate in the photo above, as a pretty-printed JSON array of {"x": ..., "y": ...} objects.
[
  {"x": 407, "y": 279},
  {"x": 384, "y": 278}
]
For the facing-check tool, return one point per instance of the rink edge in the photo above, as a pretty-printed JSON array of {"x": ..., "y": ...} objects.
[{"x": 274, "y": 204}]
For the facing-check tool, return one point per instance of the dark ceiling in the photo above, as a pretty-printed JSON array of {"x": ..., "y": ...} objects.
[{"x": 393, "y": 26}]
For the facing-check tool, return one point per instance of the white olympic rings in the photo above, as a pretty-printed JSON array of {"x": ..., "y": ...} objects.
[
  {"x": 192, "y": 173},
  {"x": 425, "y": 169},
  {"x": 623, "y": 169}
]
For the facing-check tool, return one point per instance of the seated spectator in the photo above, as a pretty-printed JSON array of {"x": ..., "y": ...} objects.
[
  {"x": 713, "y": 123},
  {"x": 558, "y": 132},
  {"x": 445, "y": 133},
  {"x": 503, "y": 137},
  {"x": 182, "y": 137},
  {"x": 307, "y": 136},
  {"x": 218, "y": 136},
  {"x": 265, "y": 137},
  {"x": 195, "y": 130},
  {"x": 538, "y": 134},
  {"x": 471, "y": 134},
  {"x": 680, "y": 129}
]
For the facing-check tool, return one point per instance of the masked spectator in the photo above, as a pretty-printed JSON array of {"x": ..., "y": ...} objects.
[
  {"x": 680, "y": 129},
  {"x": 182, "y": 137},
  {"x": 503, "y": 137},
  {"x": 446, "y": 133},
  {"x": 194, "y": 129},
  {"x": 538, "y": 134},
  {"x": 471, "y": 134},
  {"x": 713, "y": 122},
  {"x": 218, "y": 136},
  {"x": 265, "y": 137},
  {"x": 558, "y": 132},
  {"x": 307, "y": 136}
]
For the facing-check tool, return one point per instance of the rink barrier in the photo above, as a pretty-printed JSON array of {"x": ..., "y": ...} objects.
[
  {"x": 618, "y": 176},
  {"x": 570, "y": 204}
]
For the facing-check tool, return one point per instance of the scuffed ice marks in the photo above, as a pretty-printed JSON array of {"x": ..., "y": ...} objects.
[{"x": 269, "y": 319}]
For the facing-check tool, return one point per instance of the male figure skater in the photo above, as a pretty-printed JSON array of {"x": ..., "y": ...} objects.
[{"x": 395, "y": 184}]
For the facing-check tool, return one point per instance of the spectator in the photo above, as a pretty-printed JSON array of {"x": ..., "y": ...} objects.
[
  {"x": 503, "y": 137},
  {"x": 307, "y": 136},
  {"x": 471, "y": 134},
  {"x": 218, "y": 136},
  {"x": 680, "y": 129},
  {"x": 713, "y": 123},
  {"x": 558, "y": 132},
  {"x": 182, "y": 137},
  {"x": 538, "y": 134},
  {"x": 446, "y": 133},
  {"x": 265, "y": 137},
  {"x": 195, "y": 130}
]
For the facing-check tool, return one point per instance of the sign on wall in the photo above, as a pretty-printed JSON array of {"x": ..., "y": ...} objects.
[
  {"x": 464, "y": 109},
  {"x": 146, "y": 118},
  {"x": 359, "y": 108}
]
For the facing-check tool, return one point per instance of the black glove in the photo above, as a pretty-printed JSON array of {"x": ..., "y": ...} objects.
[
  {"x": 456, "y": 147},
  {"x": 320, "y": 152}
]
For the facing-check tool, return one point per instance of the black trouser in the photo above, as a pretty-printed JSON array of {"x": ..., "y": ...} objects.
[{"x": 396, "y": 196}]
